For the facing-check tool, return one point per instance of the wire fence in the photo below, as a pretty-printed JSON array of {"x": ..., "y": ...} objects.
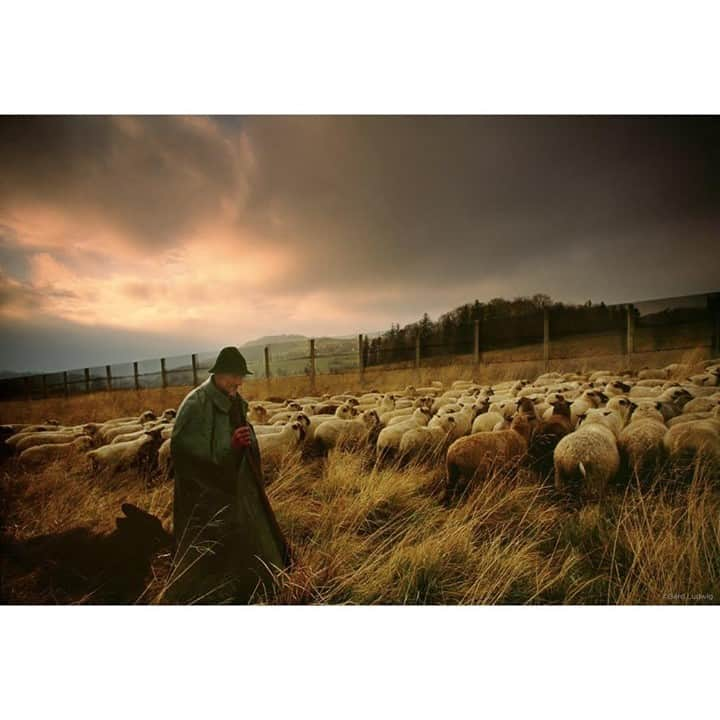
[{"x": 554, "y": 332}]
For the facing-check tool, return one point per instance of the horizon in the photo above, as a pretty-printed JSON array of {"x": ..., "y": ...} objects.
[
  {"x": 144, "y": 237},
  {"x": 650, "y": 306}
]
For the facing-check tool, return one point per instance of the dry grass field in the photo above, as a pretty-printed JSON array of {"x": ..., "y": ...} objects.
[{"x": 368, "y": 534}]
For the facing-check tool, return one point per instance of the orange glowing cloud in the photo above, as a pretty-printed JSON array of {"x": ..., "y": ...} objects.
[{"x": 209, "y": 276}]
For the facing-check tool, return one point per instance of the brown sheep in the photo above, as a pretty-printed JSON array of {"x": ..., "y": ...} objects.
[
  {"x": 474, "y": 455},
  {"x": 548, "y": 435}
]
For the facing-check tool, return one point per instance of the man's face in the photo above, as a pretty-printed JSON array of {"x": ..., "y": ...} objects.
[{"x": 229, "y": 382}]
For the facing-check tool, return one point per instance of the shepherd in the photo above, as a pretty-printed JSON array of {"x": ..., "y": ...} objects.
[{"x": 228, "y": 544}]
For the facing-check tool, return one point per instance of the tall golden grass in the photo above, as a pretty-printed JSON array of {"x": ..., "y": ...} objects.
[{"x": 370, "y": 534}]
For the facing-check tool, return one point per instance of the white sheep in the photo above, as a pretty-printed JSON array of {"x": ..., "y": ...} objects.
[
  {"x": 485, "y": 422},
  {"x": 589, "y": 399},
  {"x": 125, "y": 437},
  {"x": 424, "y": 441},
  {"x": 165, "y": 459},
  {"x": 587, "y": 459},
  {"x": 124, "y": 455},
  {"x": 335, "y": 431},
  {"x": 42, "y": 454},
  {"x": 622, "y": 406},
  {"x": 702, "y": 404},
  {"x": 274, "y": 447},
  {"x": 46, "y": 438},
  {"x": 388, "y": 440},
  {"x": 641, "y": 441},
  {"x": 697, "y": 440}
]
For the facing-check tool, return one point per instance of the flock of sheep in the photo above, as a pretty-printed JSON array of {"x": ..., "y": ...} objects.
[{"x": 585, "y": 428}]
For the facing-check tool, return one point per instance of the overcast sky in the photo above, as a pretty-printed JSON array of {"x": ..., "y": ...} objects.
[{"x": 127, "y": 237}]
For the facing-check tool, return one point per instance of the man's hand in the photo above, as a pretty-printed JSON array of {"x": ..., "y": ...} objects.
[{"x": 241, "y": 438}]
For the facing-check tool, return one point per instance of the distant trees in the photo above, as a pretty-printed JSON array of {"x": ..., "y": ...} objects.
[{"x": 503, "y": 323}]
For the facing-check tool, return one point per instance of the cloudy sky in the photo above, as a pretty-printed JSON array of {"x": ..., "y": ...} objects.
[{"x": 129, "y": 237}]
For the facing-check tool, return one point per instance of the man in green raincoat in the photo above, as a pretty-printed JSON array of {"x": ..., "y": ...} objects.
[{"x": 228, "y": 542}]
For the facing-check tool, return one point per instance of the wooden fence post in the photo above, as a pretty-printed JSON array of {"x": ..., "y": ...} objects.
[
  {"x": 44, "y": 385},
  {"x": 87, "y": 380},
  {"x": 163, "y": 372},
  {"x": 312, "y": 364},
  {"x": 108, "y": 377},
  {"x": 417, "y": 349},
  {"x": 66, "y": 388},
  {"x": 630, "y": 338},
  {"x": 476, "y": 343},
  {"x": 361, "y": 356},
  {"x": 193, "y": 358},
  {"x": 714, "y": 306},
  {"x": 267, "y": 366},
  {"x": 136, "y": 376},
  {"x": 546, "y": 337}
]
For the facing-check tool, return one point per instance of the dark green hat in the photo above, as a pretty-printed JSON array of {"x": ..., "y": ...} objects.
[{"x": 230, "y": 360}]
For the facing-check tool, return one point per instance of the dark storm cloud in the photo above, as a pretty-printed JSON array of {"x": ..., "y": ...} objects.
[
  {"x": 438, "y": 200},
  {"x": 152, "y": 178},
  {"x": 420, "y": 202}
]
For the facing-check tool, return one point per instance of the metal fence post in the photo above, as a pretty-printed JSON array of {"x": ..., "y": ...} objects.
[
  {"x": 87, "y": 380},
  {"x": 546, "y": 337},
  {"x": 267, "y": 365},
  {"x": 44, "y": 385},
  {"x": 193, "y": 358},
  {"x": 476, "y": 343},
  {"x": 417, "y": 349},
  {"x": 28, "y": 388},
  {"x": 136, "y": 376},
  {"x": 108, "y": 377},
  {"x": 312, "y": 363},
  {"x": 66, "y": 389},
  {"x": 163, "y": 372},
  {"x": 630, "y": 338}
]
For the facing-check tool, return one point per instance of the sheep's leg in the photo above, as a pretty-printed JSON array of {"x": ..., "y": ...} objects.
[{"x": 451, "y": 483}]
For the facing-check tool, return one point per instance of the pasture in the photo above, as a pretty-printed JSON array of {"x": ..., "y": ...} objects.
[{"x": 368, "y": 532}]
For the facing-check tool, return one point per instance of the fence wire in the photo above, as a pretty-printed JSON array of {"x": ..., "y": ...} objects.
[{"x": 557, "y": 333}]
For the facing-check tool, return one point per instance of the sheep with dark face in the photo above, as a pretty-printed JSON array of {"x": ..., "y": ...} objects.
[
  {"x": 588, "y": 400},
  {"x": 275, "y": 446},
  {"x": 616, "y": 387},
  {"x": 548, "y": 434}
]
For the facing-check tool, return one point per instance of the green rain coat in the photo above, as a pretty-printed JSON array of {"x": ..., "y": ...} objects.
[{"x": 222, "y": 520}]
